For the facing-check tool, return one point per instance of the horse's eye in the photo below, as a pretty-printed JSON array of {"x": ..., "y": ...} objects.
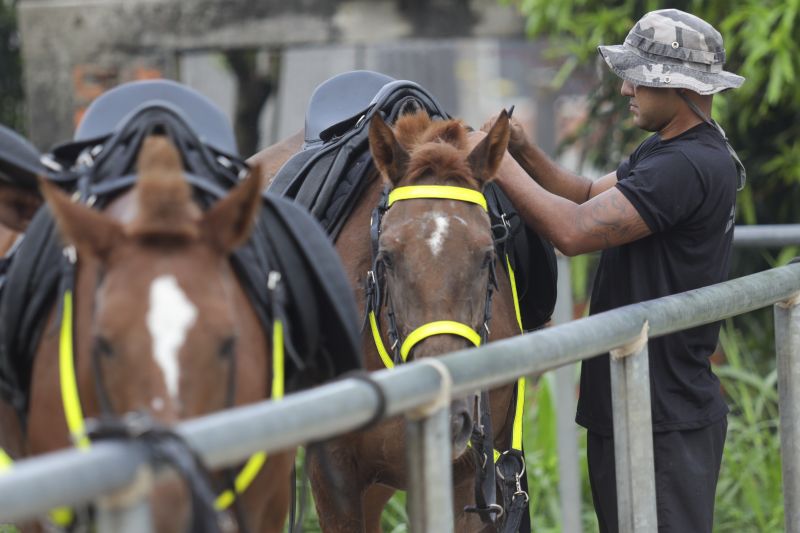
[
  {"x": 227, "y": 348},
  {"x": 102, "y": 347},
  {"x": 385, "y": 258},
  {"x": 488, "y": 259}
]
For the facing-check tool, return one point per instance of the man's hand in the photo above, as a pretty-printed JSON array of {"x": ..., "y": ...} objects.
[{"x": 518, "y": 139}]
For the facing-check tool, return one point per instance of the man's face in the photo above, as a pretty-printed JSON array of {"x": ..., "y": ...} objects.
[{"x": 653, "y": 108}]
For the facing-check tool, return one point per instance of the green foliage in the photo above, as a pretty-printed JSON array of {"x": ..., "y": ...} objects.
[
  {"x": 762, "y": 119},
  {"x": 749, "y": 495},
  {"x": 11, "y": 94}
]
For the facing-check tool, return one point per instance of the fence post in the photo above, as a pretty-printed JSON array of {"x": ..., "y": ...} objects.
[
  {"x": 128, "y": 510},
  {"x": 429, "y": 459},
  {"x": 569, "y": 474},
  {"x": 633, "y": 436},
  {"x": 787, "y": 346}
]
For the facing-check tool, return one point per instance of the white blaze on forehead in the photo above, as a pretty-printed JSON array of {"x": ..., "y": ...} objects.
[
  {"x": 170, "y": 316},
  {"x": 436, "y": 239}
]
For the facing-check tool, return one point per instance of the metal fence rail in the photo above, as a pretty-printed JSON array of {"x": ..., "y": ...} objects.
[
  {"x": 766, "y": 235},
  {"x": 73, "y": 477}
]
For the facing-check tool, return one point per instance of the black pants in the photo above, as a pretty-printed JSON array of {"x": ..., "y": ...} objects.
[{"x": 687, "y": 467}]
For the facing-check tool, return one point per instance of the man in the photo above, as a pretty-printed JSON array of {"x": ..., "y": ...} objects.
[{"x": 664, "y": 221}]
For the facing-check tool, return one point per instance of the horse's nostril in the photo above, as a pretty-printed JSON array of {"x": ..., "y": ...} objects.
[{"x": 461, "y": 427}]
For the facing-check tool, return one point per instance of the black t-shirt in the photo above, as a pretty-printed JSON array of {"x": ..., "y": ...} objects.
[{"x": 684, "y": 189}]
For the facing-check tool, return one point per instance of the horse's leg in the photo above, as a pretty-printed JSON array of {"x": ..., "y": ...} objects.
[
  {"x": 375, "y": 499},
  {"x": 337, "y": 486}
]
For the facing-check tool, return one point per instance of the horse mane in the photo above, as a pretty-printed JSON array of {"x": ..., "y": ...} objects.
[
  {"x": 436, "y": 148},
  {"x": 165, "y": 206}
]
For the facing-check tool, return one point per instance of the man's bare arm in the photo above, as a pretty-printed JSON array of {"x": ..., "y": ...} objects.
[
  {"x": 547, "y": 172},
  {"x": 607, "y": 219}
]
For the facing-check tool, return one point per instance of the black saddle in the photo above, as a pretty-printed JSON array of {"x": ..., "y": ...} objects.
[
  {"x": 322, "y": 324},
  {"x": 20, "y": 161},
  {"x": 328, "y": 175},
  {"x": 337, "y": 103}
]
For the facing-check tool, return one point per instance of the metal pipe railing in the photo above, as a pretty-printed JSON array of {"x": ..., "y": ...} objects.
[
  {"x": 766, "y": 235},
  {"x": 222, "y": 439}
]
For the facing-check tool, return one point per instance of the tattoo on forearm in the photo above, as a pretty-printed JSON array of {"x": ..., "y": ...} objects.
[{"x": 611, "y": 219}]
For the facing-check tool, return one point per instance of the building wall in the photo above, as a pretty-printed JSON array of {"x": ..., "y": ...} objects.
[{"x": 76, "y": 49}]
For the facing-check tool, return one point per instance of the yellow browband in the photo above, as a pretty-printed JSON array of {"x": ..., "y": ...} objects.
[{"x": 438, "y": 192}]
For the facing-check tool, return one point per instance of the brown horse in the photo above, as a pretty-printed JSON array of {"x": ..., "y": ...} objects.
[
  {"x": 437, "y": 255},
  {"x": 161, "y": 323}
]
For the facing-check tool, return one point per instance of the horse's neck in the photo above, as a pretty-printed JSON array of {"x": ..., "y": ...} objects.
[
  {"x": 7, "y": 239},
  {"x": 354, "y": 244}
]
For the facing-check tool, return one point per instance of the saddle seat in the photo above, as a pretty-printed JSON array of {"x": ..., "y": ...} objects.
[
  {"x": 337, "y": 103},
  {"x": 20, "y": 162}
]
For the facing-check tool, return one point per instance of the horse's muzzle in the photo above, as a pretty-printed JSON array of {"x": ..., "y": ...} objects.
[{"x": 460, "y": 425}]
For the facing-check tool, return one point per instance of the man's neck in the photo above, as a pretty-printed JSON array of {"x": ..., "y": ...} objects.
[{"x": 679, "y": 124}]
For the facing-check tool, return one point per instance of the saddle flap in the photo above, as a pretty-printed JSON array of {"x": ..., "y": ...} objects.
[
  {"x": 20, "y": 161},
  {"x": 337, "y": 103}
]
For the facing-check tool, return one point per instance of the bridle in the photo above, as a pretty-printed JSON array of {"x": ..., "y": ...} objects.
[
  {"x": 376, "y": 280},
  {"x": 509, "y": 465},
  {"x": 111, "y": 425}
]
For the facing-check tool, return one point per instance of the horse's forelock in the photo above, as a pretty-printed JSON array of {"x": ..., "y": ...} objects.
[
  {"x": 437, "y": 148},
  {"x": 408, "y": 129},
  {"x": 418, "y": 128},
  {"x": 451, "y": 132},
  {"x": 444, "y": 162},
  {"x": 164, "y": 199}
]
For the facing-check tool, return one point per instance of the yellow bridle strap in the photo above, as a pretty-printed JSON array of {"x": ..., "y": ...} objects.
[
  {"x": 5, "y": 461},
  {"x": 277, "y": 360},
  {"x": 74, "y": 413},
  {"x": 443, "y": 192},
  {"x": 376, "y": 335},
  {"x": 69, "y": 383},
  {"x": 243, "y": 480},
  {"x": 441, "y": 327},
  {"x": 257, "y": 460},
  {"x": 516, "y": 432},
  {"x": 513, "y": 281}
]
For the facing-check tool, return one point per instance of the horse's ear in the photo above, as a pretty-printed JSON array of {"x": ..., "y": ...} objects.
[
  {"x": 485, "y": 158},
  {"x": 88, "y": 230},
  {"x": 17, "y": 206},
  {"x": 227, "y": 224},
  {"x": 390, "y": 158}
]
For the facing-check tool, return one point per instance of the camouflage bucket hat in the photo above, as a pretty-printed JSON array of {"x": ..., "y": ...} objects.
[{"x": 672, "y": 48}]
